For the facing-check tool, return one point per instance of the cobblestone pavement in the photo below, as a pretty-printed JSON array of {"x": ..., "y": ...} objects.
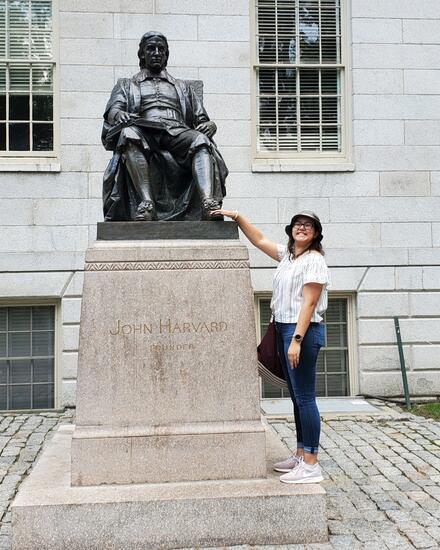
[
  {"x": 382, "y": 480},
  {"x": 382, "y": 476},
  {"x": 21, "y": 439}
]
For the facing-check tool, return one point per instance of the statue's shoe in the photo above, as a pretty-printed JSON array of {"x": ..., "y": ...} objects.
[
  {"x": 145, "y": 212},
  {"x": 208, "y": 206}
]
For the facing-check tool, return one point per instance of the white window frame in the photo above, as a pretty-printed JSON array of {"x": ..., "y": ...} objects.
[
  {"x": 41, "y": 161},
  {"x": 56, "y": 304},
  {"x": 309, "y": 161}
]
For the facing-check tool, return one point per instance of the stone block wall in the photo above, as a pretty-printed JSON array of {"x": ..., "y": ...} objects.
[{"x": 381, "y": 222}]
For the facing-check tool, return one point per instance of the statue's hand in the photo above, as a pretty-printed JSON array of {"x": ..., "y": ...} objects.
[
  {"x": 122, "y": 116},
  {"x": 209, "y": 128}
]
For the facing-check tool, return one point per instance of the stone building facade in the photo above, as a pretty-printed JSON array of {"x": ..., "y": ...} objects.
[{"x": 379, "y": 201}]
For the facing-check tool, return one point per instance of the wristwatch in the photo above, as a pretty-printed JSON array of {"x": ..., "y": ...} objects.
[{"x": 298, "y": 338}]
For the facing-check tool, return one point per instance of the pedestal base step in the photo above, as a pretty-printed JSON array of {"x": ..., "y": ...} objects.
[{"x": 48, "y": 513}]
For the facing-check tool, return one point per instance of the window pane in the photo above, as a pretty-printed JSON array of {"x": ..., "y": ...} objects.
[
  {"x": 3, "y": 397},
  {"x": 42, "y": 107},
  {"x": 42, "y": 318},
  {"x": 266, "y": 81},
  {"x": 42, "y": 76},
  {"x": 43, "y": 370},
  {"x": 20, "y": 397},
  {"x": 3, "y": 372},
  {"x": 20, "y": 371},
  {"x": 3, "y": 312},
  {"x": 19, "y": 138},
  {"x": 267, "y": 49},
  {"x": 336, "y": 385},
  {"x": 2, "y": 107},
  {"x": 320, "y": 385},
  {"x": 266, "y": 17},
  {"x": 18, "y": 107},
  {"x": 287, "y": 81},
  {"x": 330, "y": 49},
  {"x": 330, "y": 109},
  {"x": 3, "y": 78},
  {"x": 310, "y": 139},
  {"x": 309, "y": 108},
  {"x": 43, "y": 396},
  {"x": 2, "y": 137},
  {"x": 336, "y": 312},
  {"x": 336, "y": 360},
  {"x": 18, "y": 45},
  {"x": 41, "y": 14},
  {"x": 331, "y": 138},
  {"x": 287, "y": 110},
  {"x": 42, "y": 343},
  {"x": 286, "y": 50},
  {"x": 42, "y": 137},
  {"x": 2, "y": 344},
  {"x": 2, "y": 28},
  {"x": 41, "y": 44},
  {"x": 288, "y": 138},
  {"x": 309, "y": 81},
  {"x": 267, "y": 140},
  {"x": 271, "y": 392},
  {"x": 329, "y": 81},
  {"x": 336, "y": 337},
  {"x": 19, "y": 344},
  {"x": 19, "y": 77},
  {"x": 19, "y": 318},
  {"x": 267, "y": 110},
  {"x": 286, "y": 18}
]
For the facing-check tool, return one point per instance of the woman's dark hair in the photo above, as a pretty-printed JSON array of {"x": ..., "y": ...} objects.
[
  {"x": 314, "y": 245},
  {"x": 147, "y": 36}
]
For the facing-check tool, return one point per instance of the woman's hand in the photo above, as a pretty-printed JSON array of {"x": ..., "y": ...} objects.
[
  {"x": 293, "y": 353},
  {"x": 228, "y": 213}
]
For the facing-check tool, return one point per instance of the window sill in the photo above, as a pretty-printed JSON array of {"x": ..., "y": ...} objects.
[
  {"x": 271, "y": 165},
  {"x": 35, "y": 166}
]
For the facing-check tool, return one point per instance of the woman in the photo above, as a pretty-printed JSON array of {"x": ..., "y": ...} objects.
[{"x": 299, "y": 298}]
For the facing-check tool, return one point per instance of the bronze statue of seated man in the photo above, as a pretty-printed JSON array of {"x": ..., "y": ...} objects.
[{"x": 165, "y": 165}]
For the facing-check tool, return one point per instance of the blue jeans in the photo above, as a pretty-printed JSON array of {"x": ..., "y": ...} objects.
[{"x": 302, "y": 382}]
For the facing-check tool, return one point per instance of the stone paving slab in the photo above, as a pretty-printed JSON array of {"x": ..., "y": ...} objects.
[{"x": 382, "y": 476}]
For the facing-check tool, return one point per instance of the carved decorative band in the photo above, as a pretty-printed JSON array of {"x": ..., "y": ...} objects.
[{"x": 149, "y": 266}]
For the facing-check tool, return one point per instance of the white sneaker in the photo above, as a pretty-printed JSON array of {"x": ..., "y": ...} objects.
[
  {"x": 288, "y": 464},
  {"x": 304, "y": 473}
]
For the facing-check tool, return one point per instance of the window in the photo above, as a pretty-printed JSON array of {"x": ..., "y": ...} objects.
[
  {"x": 27, "y": 357},
  {"x": 332, "y": 378},
  {"x": 299, "y": 79},
  {"x": 26, "y": 78}
]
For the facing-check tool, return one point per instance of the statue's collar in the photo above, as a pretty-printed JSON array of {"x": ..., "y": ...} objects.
[{"x": 144, "y": 74}]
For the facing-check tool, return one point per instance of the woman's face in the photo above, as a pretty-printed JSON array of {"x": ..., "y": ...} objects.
[{"x": 303, "y": 231}]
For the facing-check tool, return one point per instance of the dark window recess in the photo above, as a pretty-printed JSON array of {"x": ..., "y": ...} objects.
[
  {"x": 2, "y": 107},
  {"x": 27, "y": 357},
  {"x": 19, "y": 107},
  {"x": 2, "y": 136},
  {"x": 42, "y": 136},
  {"x": 42, "y": 107},
  {"x": 19, "y": 138}
]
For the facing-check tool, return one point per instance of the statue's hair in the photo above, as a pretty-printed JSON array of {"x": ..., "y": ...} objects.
[{"x": 148, "y": 36}]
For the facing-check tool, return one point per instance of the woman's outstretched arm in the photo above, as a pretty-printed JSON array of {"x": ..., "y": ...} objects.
[{"x": 254, "y": 235}]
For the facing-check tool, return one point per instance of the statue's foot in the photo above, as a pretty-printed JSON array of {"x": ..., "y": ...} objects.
[
  {"x": 208, "y": 206},
  {"x": 145, "y": 212}
]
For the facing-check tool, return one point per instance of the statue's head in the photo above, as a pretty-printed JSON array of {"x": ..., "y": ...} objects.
[{"x": 153, "y": 51}]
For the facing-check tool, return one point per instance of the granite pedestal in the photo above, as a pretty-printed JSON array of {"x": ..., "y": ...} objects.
[{"x": 168, "y": 450}]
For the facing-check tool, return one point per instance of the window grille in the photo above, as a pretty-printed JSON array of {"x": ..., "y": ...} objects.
[
  {"x": 299, "y": 77},
  {"x": 27, "y": 357},
  {"x": 26, "y": 77},
  {"x": 332, "y": 377}
]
